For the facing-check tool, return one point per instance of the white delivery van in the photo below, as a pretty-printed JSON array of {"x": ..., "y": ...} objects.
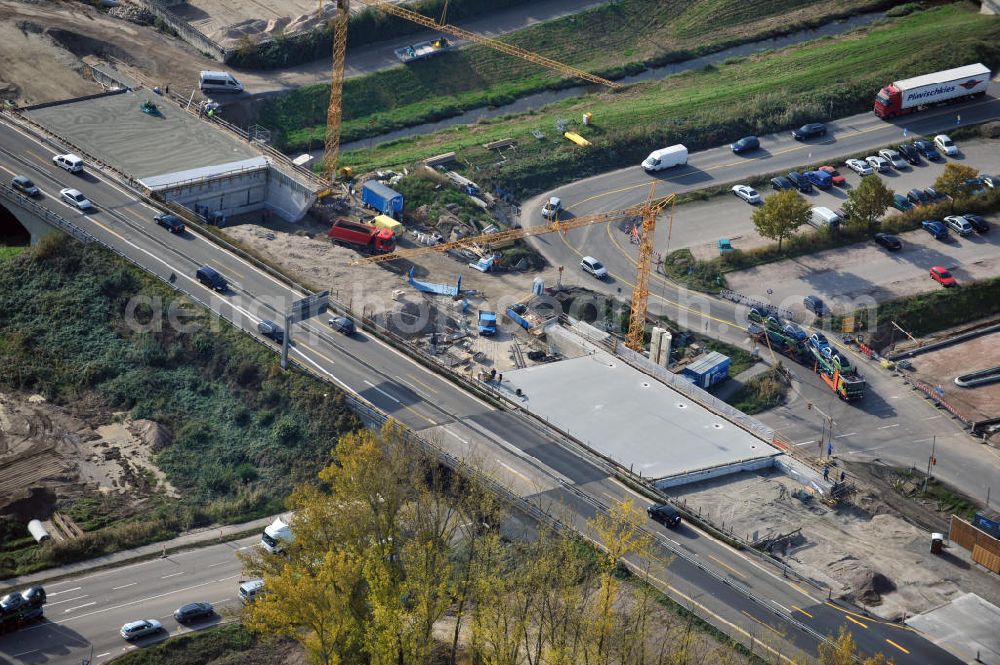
[
  {"x": 665, "y": 158},
  {"x": 220, "y": 82},
  {"x": 823, "y": 217}
]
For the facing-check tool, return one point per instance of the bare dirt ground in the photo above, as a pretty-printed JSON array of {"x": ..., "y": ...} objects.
[
  {"x": 318, "y": 263},
  {"x": 865, "y": 552},
  {"x": 47, "y": 454},
  {"x": 939, "y": 368}
]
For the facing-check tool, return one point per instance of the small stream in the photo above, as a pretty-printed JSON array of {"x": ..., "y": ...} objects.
[{"x": 540, "y": 99}]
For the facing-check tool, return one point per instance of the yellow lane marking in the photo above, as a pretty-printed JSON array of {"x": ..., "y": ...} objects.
[
  {"x": 771, "y": 628},
  {"x": 726, "y": 566},
  {"x": 413, "y": 378},
  {"x": 799, "y": 609},
  {"x": 318, "y": 353},
  {"x": 120, "y": 237},
  {"x": 897, "y": 646},
  {"x": 418, "y": 414},
  {"x": 853, "y": 620},
  {"x": 694, "y": 603}
]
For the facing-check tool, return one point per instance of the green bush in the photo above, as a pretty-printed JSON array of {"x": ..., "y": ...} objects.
[{"x": 762, "y": 392}]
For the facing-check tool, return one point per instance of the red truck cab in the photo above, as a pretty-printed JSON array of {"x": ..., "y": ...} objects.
[
  {"x": 889, "y": 102},
  {"x": 366, "y": 237}
]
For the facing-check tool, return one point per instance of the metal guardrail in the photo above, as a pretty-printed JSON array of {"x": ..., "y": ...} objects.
[{"x": 47, "y": 215}]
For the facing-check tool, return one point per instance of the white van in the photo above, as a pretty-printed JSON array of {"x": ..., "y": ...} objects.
[
  {"x": 665, "y": 158},
  {"x": 220, "y": 82},
  {"x": 69, "y": 161},
  {"x": 250, "y": 589},
  {"x": 823, "y": 217}
]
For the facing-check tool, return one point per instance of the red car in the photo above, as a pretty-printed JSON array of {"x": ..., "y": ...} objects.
[
  {"x": 941, "y": 275},
  {"x": 838, "y": 180}
]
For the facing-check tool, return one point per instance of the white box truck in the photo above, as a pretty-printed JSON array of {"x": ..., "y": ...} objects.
[
  {"x": 822, "y": 217},
  {"x": 276, "y": 535},
  {"x": 906, "y": 96},
  {"x": 665, "y": 158}
]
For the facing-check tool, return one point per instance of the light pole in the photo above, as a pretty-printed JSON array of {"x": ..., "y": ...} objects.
[{"x": 930, "y": 462}]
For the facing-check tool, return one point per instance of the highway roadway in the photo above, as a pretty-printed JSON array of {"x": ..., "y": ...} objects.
[
  {"x": 535, "y": 462},
  {"x": 891, "y": 423}
]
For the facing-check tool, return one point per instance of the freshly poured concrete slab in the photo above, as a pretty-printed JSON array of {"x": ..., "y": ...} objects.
[
  {"x": 116, "y": 131},
  {"x": 632, "y": 418},
  {"x": 967, "y": 626}
]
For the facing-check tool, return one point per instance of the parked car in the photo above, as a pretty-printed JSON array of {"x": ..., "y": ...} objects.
[
  {"x": 747, "y": 193},
  {"x": 941, "y": 275},
  {"x": 959, "y": 225},
  {"x": 172, "y": 223},
  {"x": 859, "y": 167},
  {"x": 193, "y": 611},
  {"x": 901, "y": 203},
  {"x": 877, "y": 163},
  {"x": 934, "y": 195},
  {"x": 835, "y": 176},
  {"x": 990, "y": 181},
  {"x": 745, "y": 144},
  {"x": 918, "y": 197},
  {"x": 926, "y": 148},
  {"x": 935, "y": 228},
  {"x": 271, "y": 330},
  {"x": 910, "y": 153},
  {"x": 888, "y": 241},
  {"x": 664, "y": 514},
  {"x": 552, "y": 207},
  {"x": 594, "y": 267},
  {"x": 24, "y": 185},
  {"x": 141, "y": 628},
  {"x": 821, "y": 179},
  {"x": 814, "y": 305},
  {"x": 893, "y": 157},
  {"x": 794, "y": 331},
  {"x": 342, "y": 324},
  {"x": 975, "y": 186},
  {"x": 944, "y": 143},
  {"x": 781, "y": 182},
  {"x": 800, "y": 182},
  {"x": 819, "y": 341},
  {"x": 977, "y": 222},
  {"x": 75, "y": 198},
  {"x": 810, "y": 131}
]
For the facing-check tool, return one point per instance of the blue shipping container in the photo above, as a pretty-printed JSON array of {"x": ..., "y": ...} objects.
[
  {"x": 708, "y": 369},
  {"x": 384, "y": 199},
  {"x": 988, "y": 521}
]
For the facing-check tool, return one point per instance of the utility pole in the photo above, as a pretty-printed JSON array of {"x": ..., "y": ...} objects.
[{"x": 930, "y": 461}]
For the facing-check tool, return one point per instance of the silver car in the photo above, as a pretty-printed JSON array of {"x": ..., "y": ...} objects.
[
  {"x": 893, "y": 158},
  {"x": 877, "y": 163},
  {"x": 141, "y": 628},
  {"x": 75, "y": 198},
  {"x": 859, "y": 167}
]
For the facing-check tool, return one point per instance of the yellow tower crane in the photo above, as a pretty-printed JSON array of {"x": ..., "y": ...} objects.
[
  {"x": 647, "y": 210},
  {"x": 339, "y": 28}
]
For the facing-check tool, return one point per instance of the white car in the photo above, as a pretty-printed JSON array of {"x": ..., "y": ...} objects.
[
  {"x": 141, "y": 628},
  {"x": 893, "y": 158},
  {"x": 594, "y": 267},
  {"x": 552, "y": 208},
  {"x": 877, "y": 163},
  {"x": 859, "y": 167},
  {"x": 944, "y": 143},
  {"x": 75, "y": 198},
  {"x": 747, "y": 193}
]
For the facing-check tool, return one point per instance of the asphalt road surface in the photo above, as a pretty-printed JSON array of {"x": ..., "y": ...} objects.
[
  {"x": 542, "y": 466},
  {"x": 891, "y": 422}
]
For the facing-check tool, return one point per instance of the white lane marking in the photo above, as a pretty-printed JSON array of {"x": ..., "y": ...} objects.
[
  {"x": 805, "y": 443},
  {"x": 324, "y": 371},
  {"x": 24, "y": 653},
  {"x": 163, "y": 577},
  {"x": 79, "y": 607},
  {"x": 841, "y": 436},
  {"x": 213, "y": 565},
  {"x": 76, "y": 588},
  {"x": 514, "y": 471},
  {"x": 933, "y": 418},
  {"x": 231, "y": 577},
  {"x": 448, "y": 431},
  {"x": 102, "y": 655},
  {"x": 124, "y": 586},
  {"x": 889, "y": 426},
  {"x": 70, "y": 600},
  {"x": 373, "y": 386}
]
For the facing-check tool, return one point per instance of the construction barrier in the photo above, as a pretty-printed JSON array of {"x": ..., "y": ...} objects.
[{"x": 984, "y": 547}]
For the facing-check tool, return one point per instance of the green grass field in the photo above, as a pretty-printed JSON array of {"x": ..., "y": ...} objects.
[
  {"x": 614, "y": 39},
  {"x": 826, "y": 78}
]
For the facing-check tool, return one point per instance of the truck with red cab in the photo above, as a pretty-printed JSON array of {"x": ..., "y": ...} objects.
[
  {"x": 367, "y": 238},
  {"x": 909, "y": 95}
]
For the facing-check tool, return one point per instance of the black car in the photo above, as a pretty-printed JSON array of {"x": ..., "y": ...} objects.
[
  {"x": 342, "y": 324},
  {"x": 271, "y": 330},
  {"x": 800, "y": 182},
  {"x": 934, "y": 195},
  {"x": 24, "y": 185},
  {"x": 977, "y": 222},
  {"x": 926, "y": 148},
  {"x": 888, "y": 241},
  {"x": 781, "y": 182},
  {"x": 918, "y": 196},
  {"x": 810, "y": 131},
  {"x": 909, "y": 153},
  {"x": 746, "y": 144},
  {"x": 193, "y": 611},
  {"x": 664, "y": 514},
  {"x": 172, "y": 223}
]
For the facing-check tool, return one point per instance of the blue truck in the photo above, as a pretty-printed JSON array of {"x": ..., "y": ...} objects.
[
  {"x": 487, "y": 323},
  {"x": 382, "y": 198}
]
